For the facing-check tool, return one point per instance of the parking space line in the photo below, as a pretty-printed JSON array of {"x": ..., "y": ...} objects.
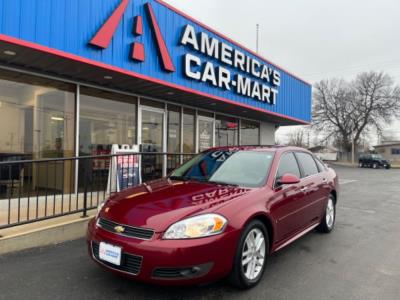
[
  {"x": 346, "y": 181},
  {"x": 368, "y": 211}
]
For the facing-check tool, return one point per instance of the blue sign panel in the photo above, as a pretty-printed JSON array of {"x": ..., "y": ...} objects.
[{"x": 151, "y": 39}]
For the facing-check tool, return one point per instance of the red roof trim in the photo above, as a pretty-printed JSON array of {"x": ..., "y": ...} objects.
[
  {"x": 34, "y": 46},
  {"x": 228, "y": 39}
]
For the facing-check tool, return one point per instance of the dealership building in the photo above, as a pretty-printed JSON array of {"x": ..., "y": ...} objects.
[{"x": 79, "y": 76}]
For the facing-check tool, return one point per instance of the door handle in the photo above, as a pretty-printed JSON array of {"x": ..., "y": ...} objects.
[
  {"x": 324, "y": 180},
  {"x": 304, "y": 189}
]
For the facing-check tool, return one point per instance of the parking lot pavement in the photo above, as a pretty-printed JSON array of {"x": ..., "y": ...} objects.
[{"x": 359, "y": 260}]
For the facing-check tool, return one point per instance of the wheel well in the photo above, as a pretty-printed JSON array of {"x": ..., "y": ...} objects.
[
  {"x": 268, "y": 224},
  {"x": 334, "y": 194}
]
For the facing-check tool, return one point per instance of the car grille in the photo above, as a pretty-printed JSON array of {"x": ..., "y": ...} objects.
[
  {"x": 129, "y": 263},
  {"x": 135, "y": 232}
]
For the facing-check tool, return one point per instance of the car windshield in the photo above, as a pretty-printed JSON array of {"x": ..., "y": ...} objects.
[{"x": 238, "y": 168}]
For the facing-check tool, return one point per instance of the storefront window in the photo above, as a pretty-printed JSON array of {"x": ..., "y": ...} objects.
[
  {"x": 188, "y": 131},
  {"x": 249, "y": 133},
  {"x": 226, "y": 131},
  {"x": 174, "y": 132},
  {"x": 206, "y": 130},
  {"x": 37, "y": 121},
  {"x": 37, "y": 117},
  {"x": 105, "y": 119}
]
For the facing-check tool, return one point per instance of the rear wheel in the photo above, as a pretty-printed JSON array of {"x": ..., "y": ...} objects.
[
  {"x": 328, "y": 221},
  {"x": 361, "y": 165},
  {"x": 250, "y": 258},
  {"x": 375, "y": 166}
]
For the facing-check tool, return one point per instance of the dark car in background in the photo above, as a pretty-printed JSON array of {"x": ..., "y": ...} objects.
[
  {"x": 374, "y": 161},
  {"x": 220, "y": 214}
]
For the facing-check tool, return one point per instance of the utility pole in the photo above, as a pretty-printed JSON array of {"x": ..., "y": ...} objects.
[{"x": 257, "y": 37}]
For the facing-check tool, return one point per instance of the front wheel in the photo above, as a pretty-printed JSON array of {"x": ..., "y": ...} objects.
[
  {"x": 375, "y": 166},
  {"x": 328, "y": 221},
  {"x": 250, "y": 258}
]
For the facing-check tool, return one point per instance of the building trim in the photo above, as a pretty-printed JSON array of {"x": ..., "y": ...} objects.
[
  {"x": 37, "y": 47},
  {"x": 112, "y": 90},
  {"x": 77, "y": 128}
]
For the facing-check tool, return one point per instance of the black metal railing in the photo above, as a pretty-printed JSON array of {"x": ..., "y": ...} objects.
[{"x": 36, "y": 190}]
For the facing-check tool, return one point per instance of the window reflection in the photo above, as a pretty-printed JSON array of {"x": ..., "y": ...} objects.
[
  {"x": 174, "y": 129},
  {"x": 37, "y": 122},
  {"x": 37, "y": 117},
  {"x": 188, "y": 131},
  {"x": 249, "y": 133},
  {"x": 105, "y": 119},
  {"x": 226, "y": 131}
]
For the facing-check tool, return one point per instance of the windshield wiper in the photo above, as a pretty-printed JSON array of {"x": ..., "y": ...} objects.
[
  {"x": 181, "y": 178},
  {"x": 186, "y": 178},
  {"x": 223, "y": 183}
]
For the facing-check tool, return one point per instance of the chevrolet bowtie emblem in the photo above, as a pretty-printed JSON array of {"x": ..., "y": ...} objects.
[{"x": 119, "y": 229}]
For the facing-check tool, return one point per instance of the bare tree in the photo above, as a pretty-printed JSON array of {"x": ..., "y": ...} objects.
[
  {"x": 346, "y": 111},
  {"x": 298, "y": 138}
]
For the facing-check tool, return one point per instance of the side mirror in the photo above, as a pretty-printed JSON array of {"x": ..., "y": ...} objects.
[{"x": 288, "y": 179}]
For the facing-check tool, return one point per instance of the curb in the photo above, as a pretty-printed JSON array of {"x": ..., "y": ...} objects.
[{"x": 45, "y": 236}]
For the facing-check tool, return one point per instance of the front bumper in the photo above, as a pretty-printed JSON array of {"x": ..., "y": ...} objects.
[{"x": 168, "y": 261}]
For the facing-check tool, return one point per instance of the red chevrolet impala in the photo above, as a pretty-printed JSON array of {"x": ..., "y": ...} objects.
[{"x": 220, "y": 214}]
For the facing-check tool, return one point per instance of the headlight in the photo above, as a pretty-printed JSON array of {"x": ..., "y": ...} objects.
[{"x": 196, "y": 227}]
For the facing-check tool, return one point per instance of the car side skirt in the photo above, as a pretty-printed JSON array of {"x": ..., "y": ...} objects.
[{"x": 295, "y": 237}]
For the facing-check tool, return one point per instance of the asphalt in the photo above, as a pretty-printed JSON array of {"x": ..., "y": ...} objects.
[{"x": 358, "y": 260}]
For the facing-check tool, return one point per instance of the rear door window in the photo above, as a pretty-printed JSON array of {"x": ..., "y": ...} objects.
[
  {"x": 288, "y": 165},
  {"x": 307, "y": 163},
  {"x": 320, "y": 165}
]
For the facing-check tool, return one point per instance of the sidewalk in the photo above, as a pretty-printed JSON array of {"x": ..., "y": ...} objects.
[
  {"x": 18, "y": 210},
  {"x": 42, "y": 233}
]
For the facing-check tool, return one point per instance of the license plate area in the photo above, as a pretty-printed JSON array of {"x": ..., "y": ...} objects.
[{"x": 110, "y": 253}]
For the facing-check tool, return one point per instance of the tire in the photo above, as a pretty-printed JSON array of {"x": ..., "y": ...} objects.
[
  {"x": 328, "y": 221},
  {"x": 375, "y": 166},
  {"x": 361, "y": 165},
  {"x": 241, "y": 276}
]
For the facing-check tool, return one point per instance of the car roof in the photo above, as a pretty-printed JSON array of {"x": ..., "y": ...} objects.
[{"x": 265, "y": 148}]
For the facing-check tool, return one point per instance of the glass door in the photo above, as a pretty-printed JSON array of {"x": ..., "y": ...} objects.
[
  {"x": 152, "y": 140},
  {"x": 205, "y": 133}
]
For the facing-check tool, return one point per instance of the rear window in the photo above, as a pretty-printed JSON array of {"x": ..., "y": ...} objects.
[{"x": 308, "y": 164}]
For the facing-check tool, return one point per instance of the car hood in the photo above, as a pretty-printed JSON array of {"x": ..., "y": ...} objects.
[{"x": 161, "y": 203}]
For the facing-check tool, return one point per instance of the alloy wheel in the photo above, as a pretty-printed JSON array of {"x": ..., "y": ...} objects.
[
  {"x": 253, "y": 254},
  {"x": 330, "y": 213}
]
